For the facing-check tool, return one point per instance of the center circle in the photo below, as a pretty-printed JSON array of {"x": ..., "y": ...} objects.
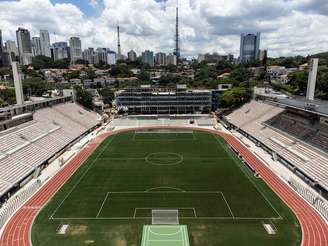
[{"x": 164, "y": 158}]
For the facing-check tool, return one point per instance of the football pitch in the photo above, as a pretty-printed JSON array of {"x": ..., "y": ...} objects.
[{"x": 111, "y": 197}]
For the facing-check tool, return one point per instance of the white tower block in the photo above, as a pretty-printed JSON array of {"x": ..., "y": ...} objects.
[
  {"x": 312, "y": 79},
  {"x": 18, "y": 84}
]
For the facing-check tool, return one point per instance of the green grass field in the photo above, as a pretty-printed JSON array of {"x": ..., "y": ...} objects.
[{"x": 110, "y": 198}]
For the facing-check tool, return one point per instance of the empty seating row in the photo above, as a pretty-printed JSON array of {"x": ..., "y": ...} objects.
[
  {"x": 27, "y": 146},
  {"x": 305, "y": 158}
]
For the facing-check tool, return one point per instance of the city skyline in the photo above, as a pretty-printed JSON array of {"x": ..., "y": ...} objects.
[{"x": 151, "y": 24}]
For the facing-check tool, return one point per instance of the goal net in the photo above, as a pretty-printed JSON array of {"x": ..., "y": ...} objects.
[{"x": 165, "y": 217}]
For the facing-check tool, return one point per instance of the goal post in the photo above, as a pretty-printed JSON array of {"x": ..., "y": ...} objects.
[{"x": 165, "y": 217}]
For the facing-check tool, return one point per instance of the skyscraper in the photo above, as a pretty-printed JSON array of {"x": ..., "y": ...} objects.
[
  {"x": 59, "y": 50},
  {"x": 75, "y": 49},
  {"x": 132, "y": 55},
  {"x": 148, "y": 57},
  {"x": 45, "y": 43},
  {"x": 24, "y": 46},
  {"x": 249, "y": 47},
  {"x": 89, "y": 55},
  {"x": 36, "y": 46},
  {"x": 171, "y": 59},
  {"x": 111, "y": 58},
  {"x": 160, "y": 59}
]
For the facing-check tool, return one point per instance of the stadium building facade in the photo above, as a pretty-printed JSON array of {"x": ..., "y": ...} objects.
[{"x": 154, "y": 100}]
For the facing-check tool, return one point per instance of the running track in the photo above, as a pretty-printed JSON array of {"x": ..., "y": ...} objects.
[{"x": 17, "y": 231}]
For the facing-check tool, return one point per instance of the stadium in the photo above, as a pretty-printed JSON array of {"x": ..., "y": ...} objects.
[{"x": 255, "y": 176}]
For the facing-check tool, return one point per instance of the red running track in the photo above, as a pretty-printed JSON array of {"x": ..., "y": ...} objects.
[{"x": 17, "y": 231}]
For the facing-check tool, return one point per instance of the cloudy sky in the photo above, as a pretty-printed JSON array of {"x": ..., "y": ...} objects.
[{"x": 288, "y": 27}]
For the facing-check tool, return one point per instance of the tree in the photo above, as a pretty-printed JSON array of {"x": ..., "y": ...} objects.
[
  {"x": 298, "y": 80},
  {"x": 7, "y": 96},
  {"x": 83, "y": 97},
  {"x": 240, "y": 75},
  {"x": 107, "y": 94},
  {"x": 144, "y": 76},
  {"x": 72, "y": 75},
  {"x": 235, "y": 97},
  {"x": 35, "y": 86},
  {"x": 42, "y": 62},
  {"x": 62, "y": 63}
]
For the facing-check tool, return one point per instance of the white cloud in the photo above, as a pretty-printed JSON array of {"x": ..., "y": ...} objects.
[
  {"x": 93, "y": 3},
  {"x": 288, "y": 27}
]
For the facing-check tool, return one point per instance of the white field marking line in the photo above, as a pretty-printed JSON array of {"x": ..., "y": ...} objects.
[
  {"x": 195, "y": 214},
  {"x": 184, "y": 158},
  {"x": 165, "y": 208},
  {"x": 102, "y": 205},
  {"x": 233, "y": 216},
  {"x": 254, "y": 184},
  {"x": 166, "y": 234},
  {"x": 82, "y": 176},
  {"x": 164, "y": 187},
  {"x": 163, "y": 192},
  {"x": 181, "y": 159},
  {"x": 147, "y": 238},
  {"x": 158, "y": 240},
  {"x": 185, "y": 218}
]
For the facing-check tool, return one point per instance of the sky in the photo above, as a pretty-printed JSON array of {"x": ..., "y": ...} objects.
[{"x": 288, "y": 27}]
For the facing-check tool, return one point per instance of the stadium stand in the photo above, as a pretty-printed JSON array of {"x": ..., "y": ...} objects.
[
  {"x": 30, "y": 145},
  {"x": 295, "y": 139},
  {"x": 168, "y": 120}
]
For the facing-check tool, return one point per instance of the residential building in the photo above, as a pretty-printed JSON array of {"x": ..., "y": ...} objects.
[
  {"x": 171, "y": 59},
  {"x": 75, "y": 49},
  {"x": 153, "y": 100},
  {"x": 249, "y": 47},
  {"x": 60, "y": 50},
  {"x": 89, "y": 55},
  {"x": 45, "y": 43},
  {"x": 148, "y": 57},
  {"x": 101, "y": 56},
  {"x": 24, "y": 46},
  {"x": 36, "y": 46},
  {"x": 132, "y": 55},
  {"x": 160, "y": 59},
  {"x": 111, "y": 57}
]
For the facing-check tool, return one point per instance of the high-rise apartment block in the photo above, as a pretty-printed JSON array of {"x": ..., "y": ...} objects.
[
  {"x": 75, "y": 49},
  {"x": 160, "y": 59},
  {"x": 60, "y": 50},
  {"x": 36, "y": 46},
  {"x": 24, "y": 46},
  {"x": 45, "y": 43},
  {"x": 89, "y": 55},
  {"x": 148, "y": 57},
  {"x": 132, "y": 55},
  {"x": 171, "y": 59}
]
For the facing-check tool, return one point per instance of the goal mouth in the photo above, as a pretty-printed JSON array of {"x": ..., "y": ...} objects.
[{"x": 165, "y": 216}]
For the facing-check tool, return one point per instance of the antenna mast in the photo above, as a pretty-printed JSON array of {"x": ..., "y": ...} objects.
[
  {"x": 119, "y": 54},
  {"x": 177, "y": 48}
]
